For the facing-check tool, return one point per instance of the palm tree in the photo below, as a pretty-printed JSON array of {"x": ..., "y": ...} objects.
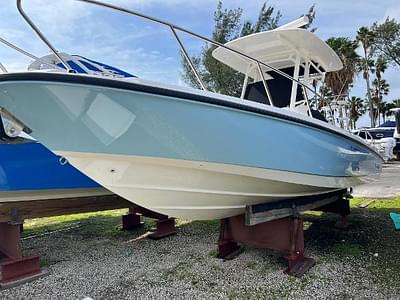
[
  {"x": 381, "y": 88},
  {"x": 384, "y": 110},
  {"x": 365, "y": 38},
  {"x": 380, "y": 67},
  {"x": 396, "y": 103},
  {"x": 356, "y": 109},
  {"x": 339, "y": 82}
]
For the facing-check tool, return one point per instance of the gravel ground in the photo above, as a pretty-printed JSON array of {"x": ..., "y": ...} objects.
[{"x": 359, "y": 263}]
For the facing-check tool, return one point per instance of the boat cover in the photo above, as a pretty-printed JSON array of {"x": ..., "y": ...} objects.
[{"x": 79, "y": 64}]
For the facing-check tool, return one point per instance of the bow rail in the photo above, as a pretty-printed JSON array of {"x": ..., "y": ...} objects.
[{"x": 174, "y": 28}]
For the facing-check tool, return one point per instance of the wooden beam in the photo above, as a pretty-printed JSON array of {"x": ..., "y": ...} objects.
[{"x": 46, "y": 208}]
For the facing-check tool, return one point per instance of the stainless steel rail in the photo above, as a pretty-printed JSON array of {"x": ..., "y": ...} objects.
[
  {"x": 42, "y": 37},
  {"x": 12, "y": 46},
  {"x": 3, "y": 68},
  {"x": 174, "y": 28},
  {"x": 26, "y": 53}
]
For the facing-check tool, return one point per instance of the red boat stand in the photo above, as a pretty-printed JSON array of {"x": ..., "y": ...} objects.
[
  {"x": 14, "y": 268},
  {"x": 132, "y": 220},
  {"x": 164, "y": 227},
  {"x": 282, "y": 234}
]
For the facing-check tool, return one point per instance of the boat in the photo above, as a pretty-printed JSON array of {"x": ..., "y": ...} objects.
[
  {"x": 30, "y": 172},
  {"x": 192, "y": 153},
  {"x": 385, "y": 137}
]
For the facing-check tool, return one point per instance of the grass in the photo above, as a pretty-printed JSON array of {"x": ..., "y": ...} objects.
[
  {"x": 371, "y": 231},
  {"x": 370, "y": 240},
  {"x": 393, "y": 203},
  {"x": 106, "y": 224}
]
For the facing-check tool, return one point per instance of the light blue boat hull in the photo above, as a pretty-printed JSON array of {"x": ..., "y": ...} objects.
[
  {"x": 123, "y": 120},
  {"x": 82, "y": 118}
]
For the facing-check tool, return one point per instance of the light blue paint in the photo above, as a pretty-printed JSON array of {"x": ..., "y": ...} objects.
[{"x": 103, "y": 120}]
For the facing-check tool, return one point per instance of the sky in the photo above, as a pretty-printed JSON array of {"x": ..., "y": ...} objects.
[{"x": 148, "y": 50}]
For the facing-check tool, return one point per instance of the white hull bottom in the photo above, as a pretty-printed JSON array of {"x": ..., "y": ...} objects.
[
  {"x": 197, "y": 190},
  {"x": 34, "y": 195}
]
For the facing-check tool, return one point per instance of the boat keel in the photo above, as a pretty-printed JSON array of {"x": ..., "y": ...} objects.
[{"x": 16, "y": 269}]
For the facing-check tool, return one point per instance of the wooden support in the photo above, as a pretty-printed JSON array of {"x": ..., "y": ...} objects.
[
  {"x": 56, "y": 207},
  {"x": 282, "y": 234},
  {"x": 164, "y": 228},
  {"x": 132, "y": 220},
  {"x": 264, "y": 212}
]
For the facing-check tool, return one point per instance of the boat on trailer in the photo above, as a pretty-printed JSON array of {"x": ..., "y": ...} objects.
[{"x": 194, "y": 153}]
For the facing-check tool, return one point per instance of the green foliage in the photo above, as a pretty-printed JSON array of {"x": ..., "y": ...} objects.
[
  {"x": 380, "y": 89},
  {"x": 228, "y": 25},
  {"x": 340, "y": 82},
  {"x": 366, "y": 37},
  {"x": 356, "y": 109},
  {"x": 396, "y": 103},
  {"x": 387, "y": 40}
]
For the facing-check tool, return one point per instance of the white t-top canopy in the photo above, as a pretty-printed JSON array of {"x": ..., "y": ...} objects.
[{"x": 278, "y": 48}]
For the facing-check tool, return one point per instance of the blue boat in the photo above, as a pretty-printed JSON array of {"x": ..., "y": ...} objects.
[
  {"x": 29, "y": 171},
  {"x": 193, "y": 153}
]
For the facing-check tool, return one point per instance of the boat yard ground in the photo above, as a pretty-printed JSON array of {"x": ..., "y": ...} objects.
[
  {"x": 387, "y": 186},
  {"x": 89, "y": 256}
]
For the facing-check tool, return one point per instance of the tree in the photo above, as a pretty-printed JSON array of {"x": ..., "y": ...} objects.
[
  {"x": 339, "y": 82},
  {"x": 380, "y": 86},
  {"x": 380, "y": 89},
  {"x": 387, "y": 40},
  {"x": 366, "y": 37},
  {"x": 384, "y": 109},
  {"x": 394, "y": 104},
  {"x": 311, "y": 17},
  {"x": 228, "y": 25},
  {"x": 356, "y": 109}
]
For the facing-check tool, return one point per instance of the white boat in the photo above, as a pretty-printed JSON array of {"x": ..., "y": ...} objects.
[
  {"x": 193, "y": 153},
  {"x": 385, "y": 138}
]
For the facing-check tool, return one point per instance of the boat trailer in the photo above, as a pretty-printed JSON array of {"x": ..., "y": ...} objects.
[
  {"x": 279, "y": 226},
  {"x": 16, "y": 269}
]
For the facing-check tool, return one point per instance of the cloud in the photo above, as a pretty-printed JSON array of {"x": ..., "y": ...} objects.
[{"x": 149, "y": 50}]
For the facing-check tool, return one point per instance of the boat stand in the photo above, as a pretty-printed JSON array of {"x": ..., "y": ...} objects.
[
  {"x": 279, "y": 226},
  {"x": 282, "y": 235},
  {"x": 16, "y": 269},
  {"x": 164, "y": 227}
]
